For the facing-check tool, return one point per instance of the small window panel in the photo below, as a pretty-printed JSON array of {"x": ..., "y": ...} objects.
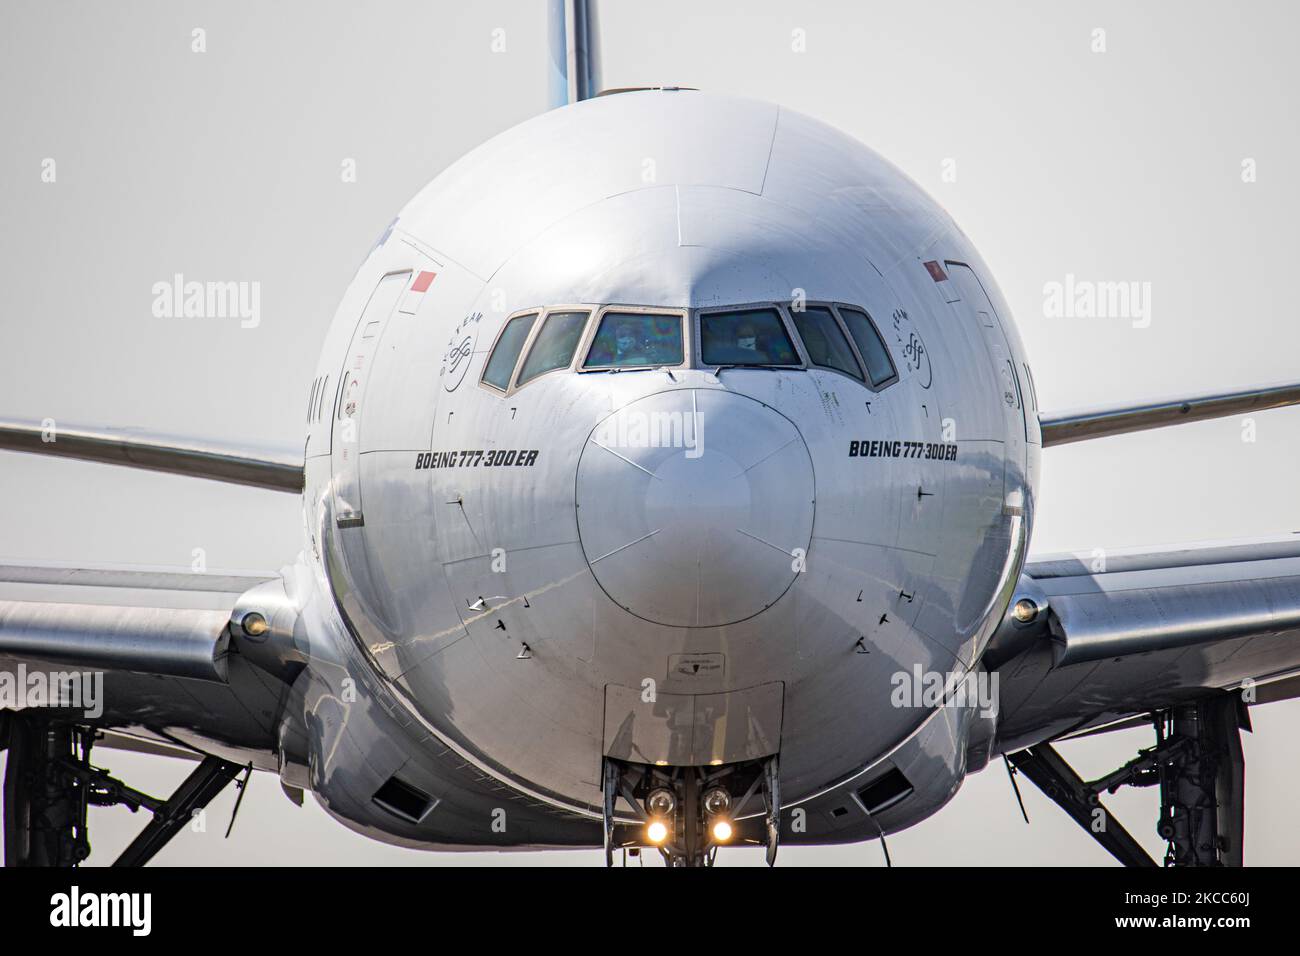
[
  {"x": 880, "y": 367},
  {"x": 824, "y": 341},
  {"x": 554, "y": 345},
  {"x": 746, "y": 337},
  {"x": 501, "y": 364},
  {"x": 636, "y": 340}
]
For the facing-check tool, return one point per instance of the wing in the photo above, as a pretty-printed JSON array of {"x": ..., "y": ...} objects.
[
  {"x": 161, "y": 639},
  {"x": 259, "y": 468},
  {"x": 1121, "y": 634},
  {"x": 1062, "y": 428}
]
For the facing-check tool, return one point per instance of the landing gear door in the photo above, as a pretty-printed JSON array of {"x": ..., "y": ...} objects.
[{"x": 353, "y": 379}]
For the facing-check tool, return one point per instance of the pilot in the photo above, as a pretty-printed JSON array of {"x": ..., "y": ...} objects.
[
  {"x": 743, "y": 350},
  {"x": 626, "y": 351},
  {"x": 625, "y": 343}
]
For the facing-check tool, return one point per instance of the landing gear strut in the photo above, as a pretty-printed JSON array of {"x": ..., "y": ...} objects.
[
  {"x": 687, "y": 813},
  {"x": 1198, "y": 765},
  {"x": 50, "y": 785}
]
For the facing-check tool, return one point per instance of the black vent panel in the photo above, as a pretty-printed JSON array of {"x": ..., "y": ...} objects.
[
  {"x": 403, "y": 800},
  {"x": 883, "y": 793}
]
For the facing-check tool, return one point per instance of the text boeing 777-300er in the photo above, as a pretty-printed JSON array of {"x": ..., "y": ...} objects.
[{"x": 670, "y": 468}]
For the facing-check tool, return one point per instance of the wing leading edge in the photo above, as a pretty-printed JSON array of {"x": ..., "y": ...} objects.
[
  {"x": 274, "y": 471},
  {"x": 1136, "y": 632},
  {"x": 164, "y": 642},
  {"x": 1063, "y": 428}
]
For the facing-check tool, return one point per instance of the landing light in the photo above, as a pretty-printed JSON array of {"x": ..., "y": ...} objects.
[
  {"x": 656, "y": 832},
  {"x": 721, "y": 830},
  {"x": 661, "y": 802},
  {"x": 716, "y": 801},
  {"x": 1025, "y": 610}
]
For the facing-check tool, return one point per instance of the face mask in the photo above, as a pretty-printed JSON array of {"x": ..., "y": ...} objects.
[
  {"x": 749, "y": 342},
  {"x": 625, "y": 343}
]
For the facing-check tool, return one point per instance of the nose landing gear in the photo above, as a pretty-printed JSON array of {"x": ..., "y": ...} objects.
[{"x": 687, "y": 813}]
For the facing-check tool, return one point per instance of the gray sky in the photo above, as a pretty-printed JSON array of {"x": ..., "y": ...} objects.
[{"x": 1123, "y": 165}]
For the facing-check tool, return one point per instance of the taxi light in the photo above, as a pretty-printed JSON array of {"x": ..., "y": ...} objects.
[
  {"x": 721, "y": 830},
  {"x": 716, "y": 800},
  {"x": 656, "y": 832},
  {"x": 661, "y": 802},
  {"x": 1025, "y": 610}
]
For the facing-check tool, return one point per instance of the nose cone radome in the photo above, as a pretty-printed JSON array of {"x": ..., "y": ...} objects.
[{"x": 695, "y": 506}]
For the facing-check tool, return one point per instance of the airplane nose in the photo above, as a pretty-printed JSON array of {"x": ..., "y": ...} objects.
[{"x": 695, "y": 506}]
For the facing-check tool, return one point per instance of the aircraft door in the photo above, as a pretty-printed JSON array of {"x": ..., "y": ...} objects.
[
  {"x": 353, "y": 379},
  {"x": 1002, "y": 362}
]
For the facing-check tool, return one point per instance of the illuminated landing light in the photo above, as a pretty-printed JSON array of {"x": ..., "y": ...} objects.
[
  {"x": 656, "y": 832},
  {"x": 721, "y": 830}
]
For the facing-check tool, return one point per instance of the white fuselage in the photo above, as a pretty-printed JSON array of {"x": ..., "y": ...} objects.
[{"x": 674, "y": 565}]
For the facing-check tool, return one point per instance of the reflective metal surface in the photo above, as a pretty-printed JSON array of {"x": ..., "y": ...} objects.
[
  {"x": 177, "y": 643},
  {"x": 1061, "y": 428},
  {"x": 501, "y": 589},
  {"x": 275, "y": 472}
]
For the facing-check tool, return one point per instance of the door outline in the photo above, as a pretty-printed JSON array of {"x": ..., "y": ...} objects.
[{"x": 345, "y": 456}]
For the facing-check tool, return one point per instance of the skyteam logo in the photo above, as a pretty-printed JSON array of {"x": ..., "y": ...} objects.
[
  {"x": 931, "y": 689},
  {"x": 635, "y": 429}
]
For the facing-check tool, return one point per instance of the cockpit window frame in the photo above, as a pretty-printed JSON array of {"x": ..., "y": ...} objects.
[
  {"x": 542, "y": 313},
  {"x": 862, "y": 378},
  {"x": 697, "y": 334},
  {"x": 692, "y": 347},
  {"x": 539, "y": 316},
  {"x": 853, "y": 344},
  {"x": 544, "y": 316},
  {"x": 593, "y": 327}
]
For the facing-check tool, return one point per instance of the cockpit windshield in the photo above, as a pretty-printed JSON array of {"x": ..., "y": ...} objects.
[
  {"x": 555, "y": 344},
  {"x": 540, "y": 340},
  {"x": 827, "y": 347},
  {"x": 636, "y": 340},
  {"x": 745, "y": 337}
]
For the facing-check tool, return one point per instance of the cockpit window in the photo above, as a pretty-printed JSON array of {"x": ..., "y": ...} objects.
[
  {"x": 745, "y": 337},
  {"x": 636, "y": 340},
  {"x": 880, "y": 367},
  {"x": 555, "y": 344},
  {"x": 501, "y": 364},
  {"x": 825, "y": 341}
]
